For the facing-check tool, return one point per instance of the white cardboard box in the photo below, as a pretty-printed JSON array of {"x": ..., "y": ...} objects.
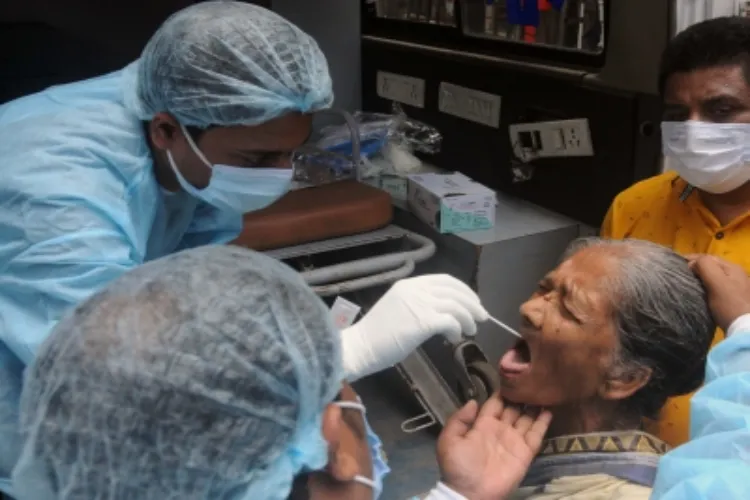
[{"x": 451, "y": 203}]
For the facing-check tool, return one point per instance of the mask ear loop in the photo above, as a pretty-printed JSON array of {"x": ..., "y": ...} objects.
[
  {"x": 351, "y": 405},
  {"x": 364, "y": 481},
  {"x": 195, "y": 147}
]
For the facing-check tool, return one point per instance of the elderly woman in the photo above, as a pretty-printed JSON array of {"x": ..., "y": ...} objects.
[{"x": 611, "y": 333}]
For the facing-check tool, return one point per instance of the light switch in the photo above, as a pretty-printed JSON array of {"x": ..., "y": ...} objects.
[{"x": 558, "y": 139}]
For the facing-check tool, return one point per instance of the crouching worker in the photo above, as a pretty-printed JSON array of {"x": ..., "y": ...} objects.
[{"x": 216, "y": 374}]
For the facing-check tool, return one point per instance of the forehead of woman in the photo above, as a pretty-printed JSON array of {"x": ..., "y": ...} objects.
[{"x": 585, "y": 277}]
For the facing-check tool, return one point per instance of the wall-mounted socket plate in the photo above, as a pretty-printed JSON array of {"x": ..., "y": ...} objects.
[
  {"x": 555, "y": 139},
  {"x": 400, "y": 88},
  {"x": 469, "y": 104}
]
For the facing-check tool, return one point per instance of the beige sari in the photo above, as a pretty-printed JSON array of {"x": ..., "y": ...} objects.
[{"x": 598, "y": 466}]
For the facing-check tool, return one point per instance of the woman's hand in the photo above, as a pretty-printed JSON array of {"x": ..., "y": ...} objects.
[{"x": 485, "y": 453}]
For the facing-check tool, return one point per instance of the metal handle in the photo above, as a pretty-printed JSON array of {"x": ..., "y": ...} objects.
[
  {"x": 384, "y": 278},
  {"x": 388, "y": 263},
  {"x": 410, "y": 426}
]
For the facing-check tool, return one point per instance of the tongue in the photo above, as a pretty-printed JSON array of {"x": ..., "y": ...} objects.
[{"x": 513, "y": 362}]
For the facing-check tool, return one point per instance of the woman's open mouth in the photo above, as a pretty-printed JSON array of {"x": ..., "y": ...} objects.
[{"x": 516, "y": 361}]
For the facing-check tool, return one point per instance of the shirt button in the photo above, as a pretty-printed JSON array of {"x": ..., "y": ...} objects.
[{"x": 720, "y": 235}]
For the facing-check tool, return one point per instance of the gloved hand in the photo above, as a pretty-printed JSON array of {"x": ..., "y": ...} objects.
[{"x": 412, "y": 311}]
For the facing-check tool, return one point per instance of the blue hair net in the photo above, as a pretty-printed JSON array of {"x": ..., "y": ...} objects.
[
  {"x": 230, "y": 63},
  {"x": 202, "y": 375}
]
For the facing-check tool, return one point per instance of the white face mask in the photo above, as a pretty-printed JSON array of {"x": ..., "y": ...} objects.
[
  {"x": 714, "y": 157},
  {"x": 236, "y": 189}
]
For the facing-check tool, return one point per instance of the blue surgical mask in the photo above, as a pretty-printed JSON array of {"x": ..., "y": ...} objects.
[
  {"x": 236, "y": 189},
  {"x": 380, "y": 468},
  {"x": 309, "y": 452}
]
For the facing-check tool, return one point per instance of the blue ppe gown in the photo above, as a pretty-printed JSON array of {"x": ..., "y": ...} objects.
[
  {"x": 80, "y": 206},
  {"x": 715, "y": 463}
]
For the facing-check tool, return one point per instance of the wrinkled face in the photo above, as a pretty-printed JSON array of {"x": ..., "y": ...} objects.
[
  {"x": 568, "y": 333},
  {"x": 269, "y": 145},
  {"x": 718, "y": 95}
]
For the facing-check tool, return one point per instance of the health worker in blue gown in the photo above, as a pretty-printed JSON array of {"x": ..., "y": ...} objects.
[{"x": 101, "y": 176}]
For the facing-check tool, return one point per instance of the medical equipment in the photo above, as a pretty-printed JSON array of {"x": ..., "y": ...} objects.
[{"x": 505, "y": 327}]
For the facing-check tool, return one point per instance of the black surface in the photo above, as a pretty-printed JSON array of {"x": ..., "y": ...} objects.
[
  {"x": 453, "y": 37},
  {"x": 624, "y": 128},
  {"x": 50, "y": 42}
]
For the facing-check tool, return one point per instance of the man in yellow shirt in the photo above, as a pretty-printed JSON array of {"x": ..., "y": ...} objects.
[{"x": 703, "y": 204}]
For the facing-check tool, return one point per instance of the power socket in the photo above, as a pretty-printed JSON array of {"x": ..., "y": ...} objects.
[
  {"x": 577, "y": 137},
  {"x": 556, "y": 139}
]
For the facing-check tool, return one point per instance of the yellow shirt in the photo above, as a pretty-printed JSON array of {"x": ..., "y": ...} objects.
[{"x": 652, "y": 210}]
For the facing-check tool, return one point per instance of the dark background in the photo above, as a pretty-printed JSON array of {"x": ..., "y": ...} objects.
[{"x": 48, "y": 42}]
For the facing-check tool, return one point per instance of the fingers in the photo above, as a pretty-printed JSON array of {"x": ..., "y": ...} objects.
[
  {"x": 448, "y": 281},
  {"x": 526, "y": 421},
  {"x": 692, "y": 257},
  {"x": 450, "y": 310},
  {"x": 493, "y": 407},
  {"x": 511, "y": 415},
  {"x": 535, "y": 434},
  {"x": 461, "y": 422},
  {"x": 468, "y": 301},
  {"x": 444, "y": 286},
  {"x": 449, "y": 327},
  {"x": 710, "y": 269}
]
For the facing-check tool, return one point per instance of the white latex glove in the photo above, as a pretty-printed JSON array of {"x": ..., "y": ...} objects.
[{"x": 412, "y": 311}]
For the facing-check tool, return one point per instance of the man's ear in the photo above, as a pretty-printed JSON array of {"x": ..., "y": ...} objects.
[
  {"x": 341, "y": 465},
  {"x": 624, "y": 383},
  {"x": 164, "y": 130}
]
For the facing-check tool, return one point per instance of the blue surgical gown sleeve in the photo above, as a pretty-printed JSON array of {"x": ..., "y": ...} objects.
[
  {"x": 43, "y": 281},
  {"x": 715, "y": 463},
  {"x": 76, "y": 207},
  {"x": 78, "y": 202},
  {"x": 211, "y": 226}
]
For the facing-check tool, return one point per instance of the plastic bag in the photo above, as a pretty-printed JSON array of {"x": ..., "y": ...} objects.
[
  {"x": 378, "y": 129},
  {"x": 387, "y": 145}
]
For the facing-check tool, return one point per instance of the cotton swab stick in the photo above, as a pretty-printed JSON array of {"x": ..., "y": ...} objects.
[{"x": 505, "y": 327}]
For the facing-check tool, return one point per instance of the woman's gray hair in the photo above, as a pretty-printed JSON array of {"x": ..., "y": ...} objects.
[{"x": 661, "y": 317}]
